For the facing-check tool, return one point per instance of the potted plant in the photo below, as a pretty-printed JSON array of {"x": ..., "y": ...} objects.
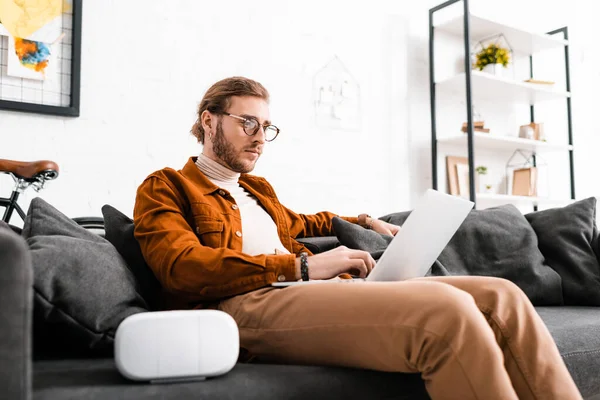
[
  {"x": 492, "y": 59},
  {"x": 493, "y": 55}
]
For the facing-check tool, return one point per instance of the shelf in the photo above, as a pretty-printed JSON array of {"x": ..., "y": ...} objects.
[
  {"x": 520, "y": 40},
  {"x": 487, "y": 86},
  {"x": 505, "y": 89},
  {"x": 496, "y": 142},
  {"x": 509, "y": 199}
]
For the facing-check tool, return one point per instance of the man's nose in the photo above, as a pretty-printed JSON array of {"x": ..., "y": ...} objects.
[{"x": 260, "y": 135}]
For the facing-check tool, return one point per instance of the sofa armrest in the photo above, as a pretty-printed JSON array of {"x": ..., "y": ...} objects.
[
  {"x": 16, "y": 298},
  {"x": 320, "y": 244}
]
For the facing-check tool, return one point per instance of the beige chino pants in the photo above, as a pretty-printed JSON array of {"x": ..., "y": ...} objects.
[{"x": 470, "y": 337}]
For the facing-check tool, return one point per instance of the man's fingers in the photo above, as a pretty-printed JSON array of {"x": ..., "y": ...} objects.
[
  {"x": 368, "y": 260},
  {"x": 363, "y": 257},
  {"x": 366, "y": 256},
  {"x": 370, "y": 263},
  {"x": 359, "y": 265},
  {"x": 395, "y": 229}
]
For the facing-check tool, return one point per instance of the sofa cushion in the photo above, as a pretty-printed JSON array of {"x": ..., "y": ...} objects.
[
  {"x": 99, "y": 379},
  {"x": 567, "y": 237},
  {"x": 492, "y": 242},
  {"x": 82, "y": 286},
  {"x": 576, "y": 331},
  {"x": 118, "y": 229}
]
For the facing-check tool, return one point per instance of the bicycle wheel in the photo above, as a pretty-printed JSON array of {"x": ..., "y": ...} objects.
[
  {"x": 90, "y": 222},
  {"x": 95, "y": 224}
]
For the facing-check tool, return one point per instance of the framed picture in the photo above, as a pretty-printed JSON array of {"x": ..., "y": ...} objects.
[
  {"x": 40, "y": 57},
  {"x": 525, "y": 182},
  {"x": 458, "y": 175}
]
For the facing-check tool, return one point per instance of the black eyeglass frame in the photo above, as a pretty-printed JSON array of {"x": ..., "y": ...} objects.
[{"x": 258, "y": 125}]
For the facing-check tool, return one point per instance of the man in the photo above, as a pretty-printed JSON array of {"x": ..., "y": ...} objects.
[{"x": 217, "y": 237}]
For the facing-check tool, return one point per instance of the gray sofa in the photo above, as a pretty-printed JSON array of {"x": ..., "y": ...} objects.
[{"x": 25, "y": 375}]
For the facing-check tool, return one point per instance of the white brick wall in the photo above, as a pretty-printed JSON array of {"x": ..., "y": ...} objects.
[{"x": 146, "y": 64}]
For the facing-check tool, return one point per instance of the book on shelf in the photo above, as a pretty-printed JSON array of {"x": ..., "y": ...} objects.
[
  {"x": 478, "y": 126},
  {"x": 539, "y": 82}
]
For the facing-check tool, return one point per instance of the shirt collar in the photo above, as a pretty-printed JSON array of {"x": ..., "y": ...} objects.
[{"x": 191, "y": 171}]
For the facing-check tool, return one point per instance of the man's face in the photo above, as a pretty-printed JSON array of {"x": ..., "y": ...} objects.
[{"x": 231, "y": 146}]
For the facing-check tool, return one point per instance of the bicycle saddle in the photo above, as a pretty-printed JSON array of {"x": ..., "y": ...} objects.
[{"x": 30, "y": 170}]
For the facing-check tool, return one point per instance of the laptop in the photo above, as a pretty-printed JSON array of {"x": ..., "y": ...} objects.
[{"x": 417, "y": 245}]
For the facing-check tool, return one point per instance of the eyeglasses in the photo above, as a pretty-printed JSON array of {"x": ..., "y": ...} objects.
[{"x": 251, "y": 127}]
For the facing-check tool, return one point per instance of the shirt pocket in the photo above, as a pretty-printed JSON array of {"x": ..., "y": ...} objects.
[{"x": 209, "y": 231}]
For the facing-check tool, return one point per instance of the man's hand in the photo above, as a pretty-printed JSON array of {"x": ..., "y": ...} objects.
[
  {"x": 385, "y": 228},
  {"x": 332, "y": 263}
]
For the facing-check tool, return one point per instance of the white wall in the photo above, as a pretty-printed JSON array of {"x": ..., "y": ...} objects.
[{"x": 146, "y": 64}]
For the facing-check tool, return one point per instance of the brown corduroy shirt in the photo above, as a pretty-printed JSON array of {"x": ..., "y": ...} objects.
[{"x": 190, "y": 233}]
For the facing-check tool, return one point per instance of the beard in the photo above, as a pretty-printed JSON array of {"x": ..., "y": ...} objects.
[{"x": 228, "y": 154}]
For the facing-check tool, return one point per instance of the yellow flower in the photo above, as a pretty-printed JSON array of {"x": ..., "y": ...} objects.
[{"x": 490, "y": 55}]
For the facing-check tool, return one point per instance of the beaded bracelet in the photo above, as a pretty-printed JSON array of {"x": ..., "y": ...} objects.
[{"x": 304, "y": 265}]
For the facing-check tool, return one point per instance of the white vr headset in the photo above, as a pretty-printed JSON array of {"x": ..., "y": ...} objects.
[{"x": 176, "y": 345}]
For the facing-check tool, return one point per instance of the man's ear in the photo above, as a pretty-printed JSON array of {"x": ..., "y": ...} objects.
[{"x": 206, "y": 120}]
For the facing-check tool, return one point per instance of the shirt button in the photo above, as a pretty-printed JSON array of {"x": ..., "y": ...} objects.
[
  {"x": 238, "y": 233},
  {"x": 198, "y": 230},
  {"x": 222, "y": 192},
  {"x": 281, "y": 278},
  {"x": 235, "y": 207}
]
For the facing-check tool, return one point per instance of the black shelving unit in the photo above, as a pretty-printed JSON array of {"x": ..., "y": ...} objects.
[{"x": 469, "y": 99}]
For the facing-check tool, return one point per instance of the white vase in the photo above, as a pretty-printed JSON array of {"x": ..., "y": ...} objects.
[
  {"x": 495, "y": 69},
  {"x": 483, "y": 184}
]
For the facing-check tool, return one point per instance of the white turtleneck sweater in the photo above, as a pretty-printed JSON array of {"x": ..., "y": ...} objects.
[{"x": 259, "y": 232}]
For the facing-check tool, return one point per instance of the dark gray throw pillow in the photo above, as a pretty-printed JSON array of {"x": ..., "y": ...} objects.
[
  {"x": 355, "y": 236},
  {"x": 568, "y": 238},
  {"x": 118, "y": 229},
  {"x": 83, "y": 289},
  {"x": 495, "y": 242},
  {"x": 319, "y": 244}
]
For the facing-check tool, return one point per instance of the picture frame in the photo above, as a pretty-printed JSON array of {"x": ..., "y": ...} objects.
[
  {"x": 455, "y": 166},
  {"x": 525, "y": 182},
  {"x": 59, "y": 92}
]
